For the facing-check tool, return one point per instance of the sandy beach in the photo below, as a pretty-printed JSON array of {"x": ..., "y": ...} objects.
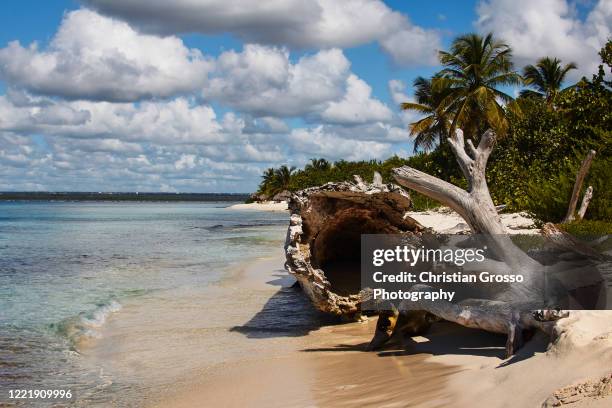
[
  {"x": 444, "y": 220},
  {"x": 326, "y": 365},
  {"x": 265, "y": 206}
]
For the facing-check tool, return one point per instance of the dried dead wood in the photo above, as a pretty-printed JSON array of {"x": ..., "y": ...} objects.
[{"x": 580, "y": 176}]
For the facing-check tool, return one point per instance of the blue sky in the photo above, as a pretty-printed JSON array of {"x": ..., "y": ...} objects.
[{"x": 111, "y": 95}]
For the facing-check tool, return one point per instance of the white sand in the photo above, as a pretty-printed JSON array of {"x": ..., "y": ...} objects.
[
  {"x": 266, "y": 206},
  {"x": 447, "y": 221},
  {"x": 449, "y": 366},
  {"x": 582, "y": 352}
]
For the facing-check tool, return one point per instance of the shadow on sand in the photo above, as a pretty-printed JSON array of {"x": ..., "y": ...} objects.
[
  {"x": 449, "y": 338},
  {"x": 288, "y": 313}
]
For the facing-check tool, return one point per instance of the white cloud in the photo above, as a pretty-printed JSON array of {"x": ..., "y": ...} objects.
[
  {"x": 356, "y": 106},
  {"x": 266, "y": 124},
  {"x": 413, "y": 46},
  {"x": 261, "y": 80},
  {"x": 398, "y": 95},
  {"x": 103, "y": 104},
  {"x": 98, "y": 58},
  {"x": 397, "y": 90},
  {"x": 541, "y": 28},
  {"x": 107, "y": 145},
  {"x": 320, "y": 142},
  {"x": 174, "y": 122},
  {"x": 295, "y": 23},
  {"x": 108, "y": 165},
  {"x": 186, "y": 161}
]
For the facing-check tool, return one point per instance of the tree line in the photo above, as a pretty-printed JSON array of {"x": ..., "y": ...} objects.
[{"x": 543, "y": 134}]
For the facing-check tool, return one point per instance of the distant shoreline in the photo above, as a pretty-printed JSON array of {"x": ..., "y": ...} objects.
[
  {"x": 121, "y": 196},
  {"x": 263, "y": 206}
]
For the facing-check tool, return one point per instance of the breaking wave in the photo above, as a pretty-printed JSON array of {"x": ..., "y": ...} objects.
[{"x": 86, "y": 325}]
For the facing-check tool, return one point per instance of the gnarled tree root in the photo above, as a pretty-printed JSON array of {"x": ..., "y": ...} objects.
[{"x": 413, "y": 317}]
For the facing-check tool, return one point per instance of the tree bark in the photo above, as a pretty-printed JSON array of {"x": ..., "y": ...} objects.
[
  {"x": 586, "y": 200},
  {"x": 508, "y": 312},
  {"x": 489, "y": 315},
  {"x": 475, "y": 205},
  {"x": 582, "y": 172},
  {"x": 567, "y": 242}
]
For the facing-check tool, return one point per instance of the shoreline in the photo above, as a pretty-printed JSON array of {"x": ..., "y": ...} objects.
[
  {"x": 327, "y": 365},
  {"x": 263, "y": 206},
  {"x": 442, "y": 220}
]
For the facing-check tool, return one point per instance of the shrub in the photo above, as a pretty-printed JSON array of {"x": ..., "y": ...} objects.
[{"x": 587, "y": 228}]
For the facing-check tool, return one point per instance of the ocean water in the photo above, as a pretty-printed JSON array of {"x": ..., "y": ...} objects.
[{"x": 68, "y": 268}]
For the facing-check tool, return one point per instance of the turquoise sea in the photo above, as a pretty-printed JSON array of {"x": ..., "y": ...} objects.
[{"x": 68, "y": 268}]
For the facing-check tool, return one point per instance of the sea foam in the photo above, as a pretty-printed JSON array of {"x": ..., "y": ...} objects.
[{"x": 85, "y": 325}]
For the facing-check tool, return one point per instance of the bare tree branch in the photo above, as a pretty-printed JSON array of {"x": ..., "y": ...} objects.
[
  {"x": 431, "y": 186},
  {"x": 457, "y": 144},
  {"x": 582, "y": 172},
  {"x": 588, "y": 195}
]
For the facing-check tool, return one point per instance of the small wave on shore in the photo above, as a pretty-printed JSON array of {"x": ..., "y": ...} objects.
[{"x": 85, "y": 326}]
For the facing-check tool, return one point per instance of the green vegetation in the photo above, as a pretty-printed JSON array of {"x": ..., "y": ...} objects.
[
  {"x": 474, "y": 69},
  {"x": 277, "y": 180},
  {"x": 546, "y": 77},
  {"x": 588, "y": 228},
  {"x": 543, "y": 135}
]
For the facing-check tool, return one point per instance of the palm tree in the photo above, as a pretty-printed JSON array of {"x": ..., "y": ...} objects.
[
  {"x": 317, "y": 164},
  {"x": 433, "y": 127},
  {"x": 268, "y": 180},
  {"x": 268, "y": 176},
  {"x": 546, "y": 78},
  {"x": 282, "y": 177},
  {"x": 473, "y": 70}
]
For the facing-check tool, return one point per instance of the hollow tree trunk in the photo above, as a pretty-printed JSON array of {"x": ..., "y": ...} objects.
[{"x": 324, "y": 237}]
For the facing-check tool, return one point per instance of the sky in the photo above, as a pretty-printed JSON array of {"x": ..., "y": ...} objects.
[{"x": 203, "y": 95}]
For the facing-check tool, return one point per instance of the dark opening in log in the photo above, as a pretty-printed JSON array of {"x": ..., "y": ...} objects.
[
  {"x": 337, "y": 247},
  {"x": 324, "y": 238}
]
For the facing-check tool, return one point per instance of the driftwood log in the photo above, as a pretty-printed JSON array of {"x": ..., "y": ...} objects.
[
  {"x": 323, "y": 250},
  {"x": 476, "y": 207},
  {"x": 323, "y": 240},
  {"x": 509, "y": 312},
  {"x": 506, "y": 313},
  {"x": 492, "y": 316}
]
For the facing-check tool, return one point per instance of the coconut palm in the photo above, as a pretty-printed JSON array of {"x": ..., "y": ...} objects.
[
  {"x": 546, "y": 78},
  {"x": 268, "y": 176},
  {"x": 268, "y": 180},
  {"x": 317, "y": 164},
  {"x": 282, "y": 177},
  {"x": 433, "y": 126},
  {"x": 473, "y": 70}
]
